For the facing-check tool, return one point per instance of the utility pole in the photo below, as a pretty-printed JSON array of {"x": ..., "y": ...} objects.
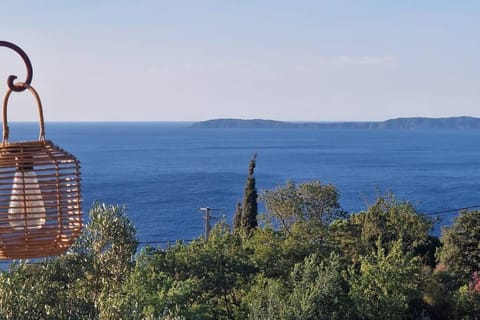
[{"x": 207, "y": 217}]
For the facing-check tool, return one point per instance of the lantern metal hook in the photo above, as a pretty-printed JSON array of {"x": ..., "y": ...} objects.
[{"x": 19, "y": 86}]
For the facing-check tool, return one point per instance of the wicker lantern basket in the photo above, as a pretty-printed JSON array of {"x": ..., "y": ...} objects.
[{"x": 40, "y": 201}]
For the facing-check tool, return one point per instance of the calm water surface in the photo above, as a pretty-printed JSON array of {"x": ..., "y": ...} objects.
[{"x": 164, "y": 172}]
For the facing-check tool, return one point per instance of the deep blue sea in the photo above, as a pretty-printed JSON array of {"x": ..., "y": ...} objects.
[{"x": 164, "y": 172}]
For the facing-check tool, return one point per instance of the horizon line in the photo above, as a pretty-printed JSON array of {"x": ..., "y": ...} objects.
[{"x": 245, "y": 119}]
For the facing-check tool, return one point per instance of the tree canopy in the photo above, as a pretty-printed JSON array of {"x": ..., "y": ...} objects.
[
  {"x": 461, "y": 244},
  {"x": 323, "y": 264},
  {"x": 308, "y": 201}
]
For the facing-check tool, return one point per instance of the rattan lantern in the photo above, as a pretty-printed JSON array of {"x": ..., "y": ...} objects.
[{"x": 40, "y": 201}]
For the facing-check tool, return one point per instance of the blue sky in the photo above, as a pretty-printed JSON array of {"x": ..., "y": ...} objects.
[{"x": 296, "y": 60}]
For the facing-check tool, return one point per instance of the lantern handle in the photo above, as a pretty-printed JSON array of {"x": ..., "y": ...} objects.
[
  {"x": 18, "y": 87},
  {"x": 40, "y": 111}
]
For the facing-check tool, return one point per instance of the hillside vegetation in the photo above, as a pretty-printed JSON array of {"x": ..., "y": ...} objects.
[
  {"x": 307, "y": 260},
  {"x": 416, "y": 123}
]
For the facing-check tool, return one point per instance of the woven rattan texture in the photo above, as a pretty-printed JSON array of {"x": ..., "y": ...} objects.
[{"x": 40, "y": 201}]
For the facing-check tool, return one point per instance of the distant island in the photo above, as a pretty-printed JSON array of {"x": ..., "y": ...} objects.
[{"x": 415, "y": 123}]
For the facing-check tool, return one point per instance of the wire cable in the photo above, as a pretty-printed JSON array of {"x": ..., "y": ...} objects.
[{"x": 436, "y": 213}]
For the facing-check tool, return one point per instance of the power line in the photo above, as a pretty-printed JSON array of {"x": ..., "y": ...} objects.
[
  {"x": 164, "y": 241},
  {"x": 433, "y": 213},
  {"x": 448, "y": 211}
]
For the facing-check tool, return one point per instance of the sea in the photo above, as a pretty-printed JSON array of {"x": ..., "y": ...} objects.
[{"x": 165, "y": 172}]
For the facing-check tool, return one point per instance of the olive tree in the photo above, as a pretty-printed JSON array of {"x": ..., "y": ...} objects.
[
  {"x": 461, "y": 250},
  {"x": 84, "y": 283},
  {"x": 309, "y": 201}
]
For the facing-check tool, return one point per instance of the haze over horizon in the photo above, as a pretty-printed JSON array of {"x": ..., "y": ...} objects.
[
  {"x": 244, "y": 119},
  {"x": 277, "y": 59}
]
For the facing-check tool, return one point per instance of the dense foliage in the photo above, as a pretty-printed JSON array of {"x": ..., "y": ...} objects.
[
  {"x": 309, "y": 260},
  {"x": 461, "y": 244},
  {"x": 309, "y": 201}
]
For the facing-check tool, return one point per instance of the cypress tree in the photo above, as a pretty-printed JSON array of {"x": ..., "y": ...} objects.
[
  {"x": 237, "y": 218},
  {"x": 250, "y": 208}
]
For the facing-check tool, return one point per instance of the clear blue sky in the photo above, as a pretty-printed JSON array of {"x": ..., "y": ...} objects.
[{"x": 109, "y": 60}]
